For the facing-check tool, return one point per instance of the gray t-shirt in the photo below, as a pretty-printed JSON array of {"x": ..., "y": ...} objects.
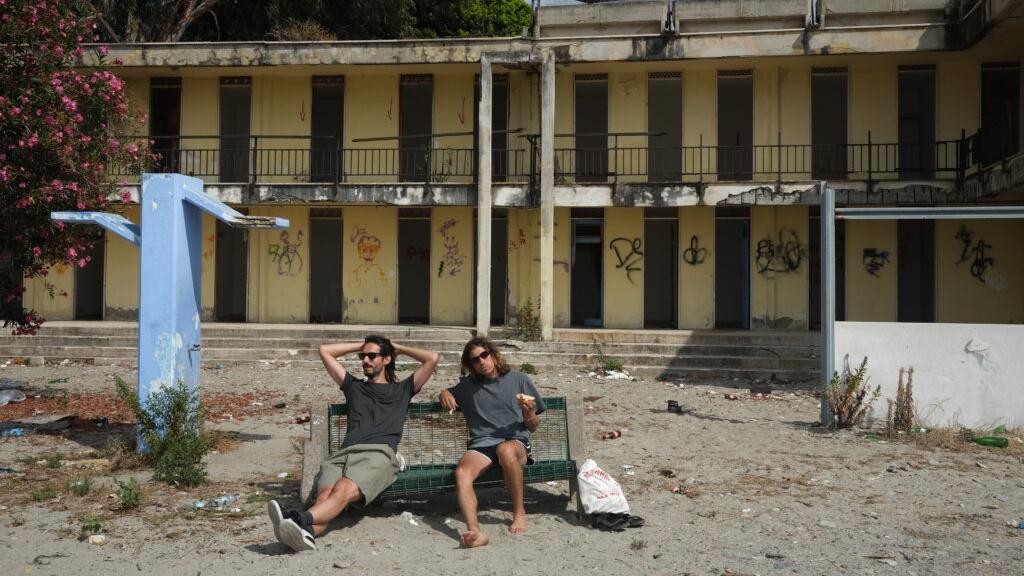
[
  {"x": 376, "y": 412},
  {"x": 492, "y": 413}
]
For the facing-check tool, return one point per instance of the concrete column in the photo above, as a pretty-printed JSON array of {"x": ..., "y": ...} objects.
[
  {"x": 828, "y": 288},
  {"x": 483, "y": 199},
  {"x": 547, "y": 195}
]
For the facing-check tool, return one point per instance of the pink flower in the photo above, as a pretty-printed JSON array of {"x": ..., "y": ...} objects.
[
  {"x": 126, "y": 196},
  {"x": 36, "y": 251},
  {"x": 103, "y": 50},
  {"x": 82, "y": 262},
  {"x": 72, "y": 253}
]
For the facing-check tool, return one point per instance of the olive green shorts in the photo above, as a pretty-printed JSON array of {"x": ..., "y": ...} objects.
[{"x": 373, "y": 467}]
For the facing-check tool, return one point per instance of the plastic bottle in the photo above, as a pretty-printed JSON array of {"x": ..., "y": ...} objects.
[{"x": 994, "y": 441}]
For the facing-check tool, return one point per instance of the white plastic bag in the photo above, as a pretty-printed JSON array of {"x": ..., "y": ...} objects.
[{"x": 599, "y": 492}]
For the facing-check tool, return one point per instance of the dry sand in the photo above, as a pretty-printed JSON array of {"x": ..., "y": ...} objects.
[{"x": 767, "y": 493}]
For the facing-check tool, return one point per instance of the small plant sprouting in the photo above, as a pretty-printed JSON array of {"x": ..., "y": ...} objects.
[
  {"x": 527, "y": 368},
  {"x": 90, "y": 525},
  {"x": 847, "y": 395},
  {"x": 129, "y": 494},
  {"x": 81, "y": 486},
  {"x": 47, "y": 492},
  {"x": 527, "y": 323}
]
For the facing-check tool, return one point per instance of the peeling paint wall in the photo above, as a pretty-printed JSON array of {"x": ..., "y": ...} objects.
[
  {"x": 523, "y": 269},
  {"x": 563, "y": 266},
  {"x": 121, "y": 273},
  {"x": 979, "y": 276},
  {"x": 623, "y": 267},
  {"x": 779, "y": 266},
  {"x": 279, "y": 267},
  {"x": 370, "y": 276},
  {"x": 452, "y": 266},
  {"x": 209, "y": 266},
  {"x": 871, "y": 270},
  {"x": 697, "y": 268}
]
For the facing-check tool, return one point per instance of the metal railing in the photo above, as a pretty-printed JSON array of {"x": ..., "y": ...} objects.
[{"x": 418, "y": 158}]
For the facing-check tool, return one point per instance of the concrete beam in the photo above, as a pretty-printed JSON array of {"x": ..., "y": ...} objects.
[
  {"x": 547, "y": 196},
  {"x": 483, "y": 206}
]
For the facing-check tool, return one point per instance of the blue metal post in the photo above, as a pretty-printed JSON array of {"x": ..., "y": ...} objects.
[{"x": 828, "y": 288}]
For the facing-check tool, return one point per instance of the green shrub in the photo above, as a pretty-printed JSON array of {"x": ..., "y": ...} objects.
[
  {"x": 80, "y": 487},
  {"x": 47, "y": 492},
  {"x": 847, "y": 395},
  {"x": 526, "y": 324},
  {"x": 129, "y": 494},
  {"x": 527, "y": 368},
  {"x": 612, "y": 365},
  {"x": 90, "y": 525},
  {"x": 171, "y": 425}
]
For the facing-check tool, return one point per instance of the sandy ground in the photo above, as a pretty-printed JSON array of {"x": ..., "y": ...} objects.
[{"x": 767, "y": 492}]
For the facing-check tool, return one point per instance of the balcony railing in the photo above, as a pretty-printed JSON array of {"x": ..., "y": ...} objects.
[{"x": 315, "y": 159}]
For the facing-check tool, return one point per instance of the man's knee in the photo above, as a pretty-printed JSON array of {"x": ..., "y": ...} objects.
[
  {"x": 324, "y": 493},
  {"x": 463, "y": 475},
  {"x": 346, "y": 489},
  {"x": 508, "y": 452}
]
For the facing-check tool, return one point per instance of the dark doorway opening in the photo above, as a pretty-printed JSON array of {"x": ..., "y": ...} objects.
[
  {"x": 235, "y": 103},
  {"x": 732, "y": 268},
  {"x": 325, "y": 265},
  {"x": 661, "y": 270},
  {"x": 89, "y": 282},
  {"x": 814, "y": 272},
  {"x": 665, "y": 127},
  {"x": 499, "y": 267},
  {"x": 1000, "y": 111},
  {"x": 326, "y": 126},
  {"x": 917, "y": 122},
  {"x": 586, "y": 297},
  {"x": 828, "y": 123},
  {"x": 415, "y": 124},
  {"x": 414, "y": 266},
  {"x": 231, "y": 274},
  {"x": 165, "y": 122},
  {"x": 591, "y": 127},
  {"x": 735, "y": 124},
  {"x": 915, "y": 263}
]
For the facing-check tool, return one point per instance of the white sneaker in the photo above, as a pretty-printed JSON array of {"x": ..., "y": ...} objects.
[
  {"x": 274, "y": 511},
  {"x": 292, "y": 535}
]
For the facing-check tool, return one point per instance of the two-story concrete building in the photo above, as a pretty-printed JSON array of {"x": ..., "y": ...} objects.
[{"x": 624, "y": 164}]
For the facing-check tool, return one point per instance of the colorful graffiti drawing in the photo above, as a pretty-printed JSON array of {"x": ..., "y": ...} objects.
[
  {"x": 784, "y": 255},
  {"x": 453, "y": 259},
  {"x": 367, "y": 247},
  {"x": 630, "y": 255},
  {"x": 286, "y": 254}
]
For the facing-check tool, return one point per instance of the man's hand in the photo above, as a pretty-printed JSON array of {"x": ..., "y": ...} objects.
[
  {"x": 447, "y": 400},
  {"x": 530, "y": 418}
]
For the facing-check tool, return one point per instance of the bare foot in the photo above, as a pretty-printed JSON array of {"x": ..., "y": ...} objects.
[
  {"x": 473, "y": 539},
  {"x": 518, "y": 525}
]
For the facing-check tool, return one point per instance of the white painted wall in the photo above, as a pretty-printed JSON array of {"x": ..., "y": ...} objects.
[{"x": 980, "y": 385}]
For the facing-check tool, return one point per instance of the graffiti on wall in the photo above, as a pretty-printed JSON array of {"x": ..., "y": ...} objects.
[
  {"x": 453, "y": 258},
  {"x": 629, "y": 254},
  {"x": 368, "y": 248},
  {"x": 414, "y": 252},
  {"x": 782, "y": 254},
  {"x": 286, "y": 254},
  {"x": 695, "y": 255},
  {"x": 976, "y": 252},
  {"x": 518, "y": 242},
  {"x": 874, "y": 259}
]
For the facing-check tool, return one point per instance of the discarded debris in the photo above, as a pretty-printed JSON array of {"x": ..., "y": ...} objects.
[
  {"x": 282, "y": 475},
  {"x": 408, "y": 516},
  {"x": 300, "y": 419},
  {"x": 731, "y": 397},
  {"x": 98, "y": 539},
  {"x": 11, "y": 395},
  {"x": 611, "y": 435}
]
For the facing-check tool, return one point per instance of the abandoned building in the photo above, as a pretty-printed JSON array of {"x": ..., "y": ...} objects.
[{"x": 633, "y": 164}]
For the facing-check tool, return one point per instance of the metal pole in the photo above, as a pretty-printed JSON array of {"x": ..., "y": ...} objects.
[
  {"x": 828, "y": 287},
  {"x": 484, "y": 201}
]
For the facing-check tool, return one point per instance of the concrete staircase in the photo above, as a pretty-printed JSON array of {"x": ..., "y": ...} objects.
[{"x": 706, "y": 354}]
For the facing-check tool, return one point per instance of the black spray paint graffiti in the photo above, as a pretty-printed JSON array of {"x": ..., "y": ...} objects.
[
  {"x": 286, "y": 254},
  {"x": 969, "y": 249},
  {"x": 783, "y": 255},
  {"x": 630, "y": 255},
  {"x": 453, "y": 260},
  {"x": 874, "y": 259},
  {"x": 694, "y": 255}
]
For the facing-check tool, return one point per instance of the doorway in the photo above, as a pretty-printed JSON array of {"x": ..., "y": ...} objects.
[
  {"x": 591, "y": 127},
  {"x": 915, "y": 270},
  {"x": 89, "y": 282},
  {"x": 414, "y": 266},
  {"x": 499, "y": 266},
  {"x": 661, "y": 270},
  {"x": 415, "y": 125},
  {"x": 735, "y": 124},
  {"x": 732, "y": 267},
  {"x": 586, "y": 295},
  {"x": 325, "y": 265},
  {"x": 231, "y": 273},
  {"x": 235, "y": 105}
]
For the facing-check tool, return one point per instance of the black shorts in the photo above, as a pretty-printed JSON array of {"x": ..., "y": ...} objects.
[{"x": 491, "y": 452}]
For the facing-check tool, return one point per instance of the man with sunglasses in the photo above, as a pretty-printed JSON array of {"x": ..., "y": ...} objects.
[
  {"x": 367, "y": 462},
  {"x": 501, "y": 408}
]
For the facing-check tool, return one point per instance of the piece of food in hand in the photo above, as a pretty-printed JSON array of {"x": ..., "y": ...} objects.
[{"x": 524, "y": 398}]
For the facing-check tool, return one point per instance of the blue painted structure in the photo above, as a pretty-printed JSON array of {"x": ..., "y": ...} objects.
[{"x": 170, "y": 268}]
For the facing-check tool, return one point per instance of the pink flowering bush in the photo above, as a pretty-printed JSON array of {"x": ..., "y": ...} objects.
[{"x": 58, "y": 127}]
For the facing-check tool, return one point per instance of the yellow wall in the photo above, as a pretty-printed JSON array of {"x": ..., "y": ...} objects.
[
  {"x": 371, "y": 110},
  {"x": 137, "y": 90},
  {"x": 370, "y": 281},
  {"x": 121, "y": 273},
  {"x": 778, "y": 299},
  {"x": 873, "y": 101},
  {"x": 697, "y": 281},
  {"x": 793, "y": 108},
  {"x": 279, "y": 268},
  {"x": 563, "y": 265},
  {"x": 452, "y": 260},
  {"x": 58, "y": 306},
  {"x": 523, "y": 258},
  {"x": 700, "y": 105},
  {"x": 627, "y": 112},
  {"x": 996, "y": 297},
  {"x": 209, "y": 266},
  {"x": 958, "y": 97},
  {"x": 623, "y": 291},
  {"x": 282, "y": 107},
  {"x": 871, "y": 298},
  {"x": 453, "y": 112},
  {"x": 200, "y": 116}
]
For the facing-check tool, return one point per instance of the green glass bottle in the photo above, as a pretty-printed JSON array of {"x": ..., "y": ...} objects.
[{"x": 995, "y": 441}]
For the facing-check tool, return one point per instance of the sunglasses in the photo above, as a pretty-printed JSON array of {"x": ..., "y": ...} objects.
[
  {"x": 370, "y": 355},
  {"x": 479, "y": 358}
]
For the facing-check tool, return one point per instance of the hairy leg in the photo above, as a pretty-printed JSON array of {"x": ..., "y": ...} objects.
[
  {"x": 331, "y": 501},
  {"x": 470, "y": 467},
  {"x": 512, "y": 457}
]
